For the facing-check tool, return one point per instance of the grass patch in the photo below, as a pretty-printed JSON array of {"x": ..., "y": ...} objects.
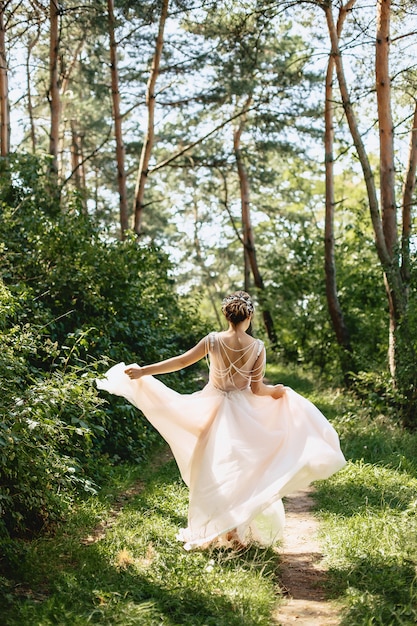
[
  {"x": 137, "y": 573},
  {"x": 369, "y": 520},
  {"x": 296, "y": 378}
]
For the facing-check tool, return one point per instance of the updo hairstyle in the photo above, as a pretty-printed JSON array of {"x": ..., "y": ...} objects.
[{"x": 237, "y": 307}]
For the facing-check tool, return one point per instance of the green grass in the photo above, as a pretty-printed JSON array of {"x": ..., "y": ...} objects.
[
  {"x": 369, "y": 521},
  {"x": 138, "y": 573}
]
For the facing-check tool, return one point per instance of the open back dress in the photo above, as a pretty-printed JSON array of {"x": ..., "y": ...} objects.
[{"x": 239, "y": 453}]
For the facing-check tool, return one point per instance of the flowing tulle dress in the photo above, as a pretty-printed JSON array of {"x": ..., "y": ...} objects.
[{"x": 239, "y": 453}]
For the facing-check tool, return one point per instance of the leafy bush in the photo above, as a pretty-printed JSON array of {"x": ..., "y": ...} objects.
[
  {"x": 45, "y": 443},
  {"x": 72, "y": 302},
  {"x": 377, "y": 390},
  {"x": 118, "y": 292}
]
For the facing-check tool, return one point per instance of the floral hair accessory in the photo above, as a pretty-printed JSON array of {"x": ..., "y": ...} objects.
[{"x": 238, "y": 298}]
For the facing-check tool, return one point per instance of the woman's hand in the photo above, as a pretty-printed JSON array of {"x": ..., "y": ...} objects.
[
  {"x": 278, "y": 391},
  {"x": 134, "y": 372}
]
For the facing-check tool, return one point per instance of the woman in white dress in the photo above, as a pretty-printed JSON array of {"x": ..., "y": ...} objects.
[{"x": 240, "y": 445}]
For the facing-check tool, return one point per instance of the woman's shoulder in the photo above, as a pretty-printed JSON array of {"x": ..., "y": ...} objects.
[
  {"x": 261, "y": 346},
  {"x": 224, "y": 337},
  {"x": 211, "y": 338}
]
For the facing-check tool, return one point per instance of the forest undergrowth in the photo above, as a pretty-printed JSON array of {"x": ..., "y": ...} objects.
[{"x": 134, "y": 571}]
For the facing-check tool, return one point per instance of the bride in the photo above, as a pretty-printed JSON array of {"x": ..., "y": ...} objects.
[{"x": 240, "y": 445}]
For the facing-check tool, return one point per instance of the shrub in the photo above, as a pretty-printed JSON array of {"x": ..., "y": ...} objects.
[
  {"x": 72, "y": 302},
  {"x": 45, "y": 442}
]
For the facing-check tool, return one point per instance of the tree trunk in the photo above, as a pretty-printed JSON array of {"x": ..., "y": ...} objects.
[
  {"x": 149, "y": 137},
  {"x": 397, "y": 294},
  {"x": 31, "y": 45},
  {"x": 4, "y": 90},
  {"x": 386, "y": 127},
  {"x": 246, "y": 270},
  {"x": 386, "y": 163},
  {"x": 77, "y": 164},
  {"x": 54, "y": 95},
  {"x": 407, "y": 204},
  {"x": 333, "y": 303},
  {"x": 75, "y": 156},
  {"x": 120, "y": 147},
  {"x": 248, "y": 238}
]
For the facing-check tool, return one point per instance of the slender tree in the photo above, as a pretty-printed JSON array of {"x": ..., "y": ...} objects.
[
  {"x": 77, "y": 162},
  {"x": 150, "y": 132},
  {"x": 54, "y": 84},
  {"x": 402, "y": 358},
  {"x": 333, "y": 302},
  {"x": 4, "y": 88},
  {"x": 409, "y": 202},
  {"x": 248, "y": 236},
  {"x": 30, "y": 46},
  {"x": 118, "y": 133},
  {"x": 249, "y": 251}
]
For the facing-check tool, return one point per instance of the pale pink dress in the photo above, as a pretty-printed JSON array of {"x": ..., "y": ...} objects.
[{"x": 239, "y": 453}]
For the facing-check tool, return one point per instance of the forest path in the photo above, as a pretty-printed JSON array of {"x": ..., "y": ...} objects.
[{"x": 302, "y": 574}]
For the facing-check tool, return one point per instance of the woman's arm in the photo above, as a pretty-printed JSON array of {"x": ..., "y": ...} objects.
[
  {"x": 260, "y": 389},
  {"x": 257, "y": 385},
  {"x": 171, "y": 365}
]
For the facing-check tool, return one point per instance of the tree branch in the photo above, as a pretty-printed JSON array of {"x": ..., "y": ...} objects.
[{"x": 200, "y": 140}]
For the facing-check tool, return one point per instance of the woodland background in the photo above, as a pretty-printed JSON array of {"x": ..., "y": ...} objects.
[{"x": 157, "y": 155}]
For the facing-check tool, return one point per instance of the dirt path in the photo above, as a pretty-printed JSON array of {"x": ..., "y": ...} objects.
[
  {"x": 99, "y": 532},
  {"x": 302, "y": 574}
]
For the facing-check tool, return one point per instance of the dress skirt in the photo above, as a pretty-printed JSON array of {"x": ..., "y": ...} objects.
[{"x": 239, "y": 453}]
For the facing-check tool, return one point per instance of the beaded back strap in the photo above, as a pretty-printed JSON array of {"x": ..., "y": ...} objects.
[{"x": 230, "y": 370}]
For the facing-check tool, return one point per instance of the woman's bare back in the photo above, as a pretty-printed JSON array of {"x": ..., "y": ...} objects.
[{"x": 233, "y": 357}]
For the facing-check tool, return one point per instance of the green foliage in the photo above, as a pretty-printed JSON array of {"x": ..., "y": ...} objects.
[
  {"x": 46, "y": 440},
  {"x": 299, "y": 310},
  {"x": 118, "y": 292},
  {"x": 293, "y": 269},
  {"x": 72, "y": 303},
  {"x": 24, "y": 184},
  {"x": 377, "y": 388},
  {"x": 48, "y": 424}
]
